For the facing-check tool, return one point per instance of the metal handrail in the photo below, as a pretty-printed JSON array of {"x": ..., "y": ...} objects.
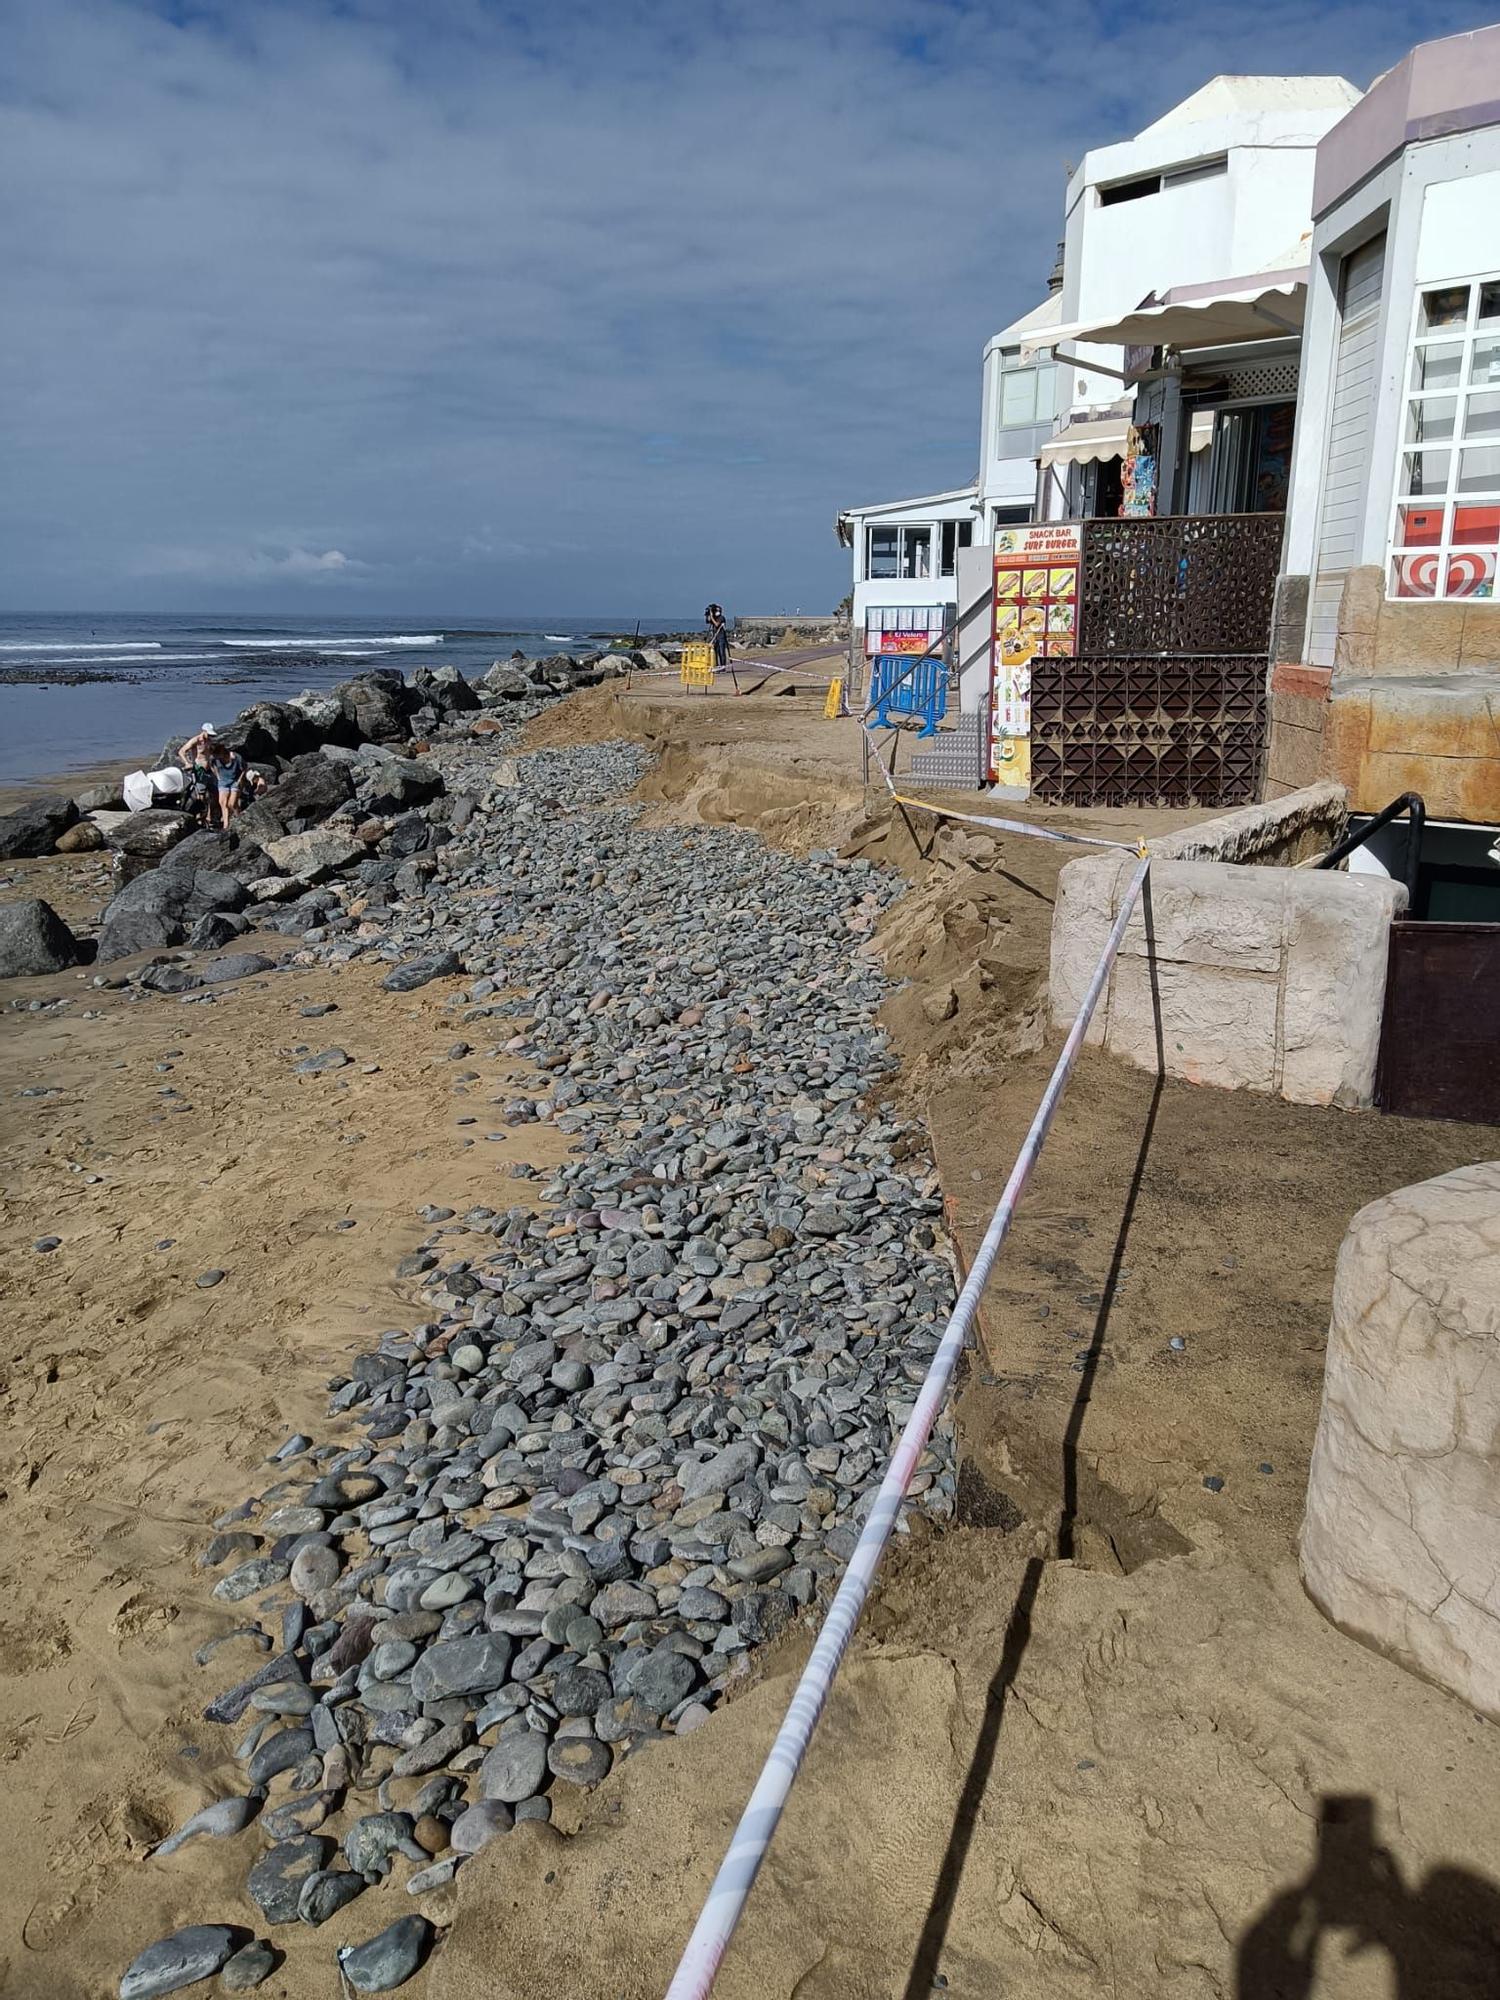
[{"x": 1410, "y": 803}]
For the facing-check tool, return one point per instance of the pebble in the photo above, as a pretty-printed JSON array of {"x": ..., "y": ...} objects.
[
  {"x": 275, "y": 1882},
  {"x": 223, "y": 1816},
  {"x": 477, "y": 1827},
  {"x": 206, "y": 1280},
  {"x": 182, "y": 1959},
  {"x": 578, "y": 1760},
  {"x": 515, "y": 1768},
  {"x": 388, "y": 1960},
  {"x": 46, "y": 1243},
  {"x": 320, "y": 1064},
  {"x": 249, "y": 1966}
]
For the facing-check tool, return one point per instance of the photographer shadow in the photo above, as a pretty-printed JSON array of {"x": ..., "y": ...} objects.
[{"x": 1441, "y": 1936}]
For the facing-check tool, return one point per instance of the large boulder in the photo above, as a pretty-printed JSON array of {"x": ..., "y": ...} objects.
[
  {"x": 34, "y": 828},
  {"x": 323, "y": 714},
  {"x": 1398, "y": 1540},
  {"x": 412, "y": 833},
  {"x": 84, "y": 838},
  {"x": 444, "y": 690},
  {"x": 207, "y": 847},
  {"x": 308, "y": 790},
  {"x": 289, "y": 729},
  {"x": 147, "y": 915},
  {"x": 249, "y": 735},
  {"x": 507, "y": 681},
  {"x": 149, "y": 834},
  {"x": 215, "y": 889},
  {"x": 100, "y": 798},
  {"x": 312, "y": 856},
  {"x": 34, "y": 939},
  {"x": 374, "y": 706},
  {"x": 398, "y": 783}
]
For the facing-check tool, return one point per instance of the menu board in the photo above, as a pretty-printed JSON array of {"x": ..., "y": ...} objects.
[{"x": 1036, "y": 617}]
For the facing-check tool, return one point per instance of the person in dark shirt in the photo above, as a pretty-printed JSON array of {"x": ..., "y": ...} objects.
[{"x": 718, "y": 633}]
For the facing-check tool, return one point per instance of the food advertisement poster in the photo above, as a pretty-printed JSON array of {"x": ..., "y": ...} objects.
[{"x": 1036, "y": 617}]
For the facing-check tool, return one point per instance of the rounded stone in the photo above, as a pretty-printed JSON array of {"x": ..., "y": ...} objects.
[
  {"x": 515, "y": 1768},
  {"x": 478, "y": 1826},
  {"x": 387, "y": 1960},
  {"x": 579, "y": 1760},
  {"x": 315, "y": 1570},
  {"x": 580, "y": 1691},
  {"x": 446, "y": 1591}
]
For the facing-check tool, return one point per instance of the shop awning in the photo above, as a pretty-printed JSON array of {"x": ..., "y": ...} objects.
[
  {"x": 1267, "y": 308},
  {"x": 1105, "y": 437}
]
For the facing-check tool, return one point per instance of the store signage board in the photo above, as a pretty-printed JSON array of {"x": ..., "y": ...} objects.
[
  {"x": 1035, "y": 617},
  {"x": 905, "y": 642}
]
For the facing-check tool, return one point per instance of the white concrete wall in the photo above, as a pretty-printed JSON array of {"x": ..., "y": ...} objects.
[
  {"x": 1224, "y": 226},
  {"x": 1269, "y": 979}
]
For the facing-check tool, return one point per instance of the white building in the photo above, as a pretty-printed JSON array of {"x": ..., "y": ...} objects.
[
  {"x": 1386, "y": 652},
  {"x": 1219, "y": 187}
]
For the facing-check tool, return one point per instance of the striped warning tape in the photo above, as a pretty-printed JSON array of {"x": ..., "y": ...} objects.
[{"x": 1136, "y": 846}]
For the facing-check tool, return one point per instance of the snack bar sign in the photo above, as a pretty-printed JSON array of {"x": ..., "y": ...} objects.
[
  {"x": 1036, "y": 617},
  {"x": 1036, "y": 587}
]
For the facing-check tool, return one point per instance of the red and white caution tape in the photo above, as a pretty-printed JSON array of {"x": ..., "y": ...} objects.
[{"x": 699, "y": 1964}]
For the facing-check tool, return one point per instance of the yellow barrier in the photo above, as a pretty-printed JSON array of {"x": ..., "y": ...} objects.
[
  {"x": 833, "y": 708},
  {"x": 697, "y": 669}
]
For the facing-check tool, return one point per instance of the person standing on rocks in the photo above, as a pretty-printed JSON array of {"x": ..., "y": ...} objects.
[
  {"x": 228, "y": 771},
  {"x": 196, "y": 758},
  {"x": 717, "y": 626}
]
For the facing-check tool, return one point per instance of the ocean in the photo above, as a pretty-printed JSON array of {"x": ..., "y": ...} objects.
[{"x": 80, "y": 690}]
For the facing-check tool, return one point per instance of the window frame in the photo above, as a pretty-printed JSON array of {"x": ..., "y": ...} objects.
[
  {"x": 1445, "y": 503},
  {"x": 1043, "y": 376},
  {"x": 905, "y": 556}
]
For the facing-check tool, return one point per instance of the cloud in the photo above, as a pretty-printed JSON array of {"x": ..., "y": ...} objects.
[
  {"x": 600, "y": 308},
  {"x": 256, "y": 565}
]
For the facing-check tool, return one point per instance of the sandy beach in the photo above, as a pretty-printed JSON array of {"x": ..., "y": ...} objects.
[{"x": 1084, "y": 1739}]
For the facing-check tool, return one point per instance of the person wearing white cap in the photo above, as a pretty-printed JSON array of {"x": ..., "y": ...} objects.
[{"x": 196, "y": 757}]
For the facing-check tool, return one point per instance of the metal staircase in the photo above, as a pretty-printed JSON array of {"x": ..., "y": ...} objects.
[{"x": 953, "y": 761}]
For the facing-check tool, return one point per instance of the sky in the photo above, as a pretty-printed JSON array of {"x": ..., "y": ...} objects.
[{"x": 476, "y": 308}]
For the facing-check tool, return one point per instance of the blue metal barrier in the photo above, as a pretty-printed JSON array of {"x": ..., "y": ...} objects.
[{"x": 898, "y": 688}]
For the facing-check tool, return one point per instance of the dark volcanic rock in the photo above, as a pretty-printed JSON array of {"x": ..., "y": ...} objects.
[
  {"x": 149, "y": 914},
  {"x": 33, "y": 939},
  {"x": 308, "y": 790},
  {"x": 418, "y": 971},
  {"x": 151, "y": 833},
  {"x": 374, "y": 706},
  {"x": 33, "y": 829},
  {"x": 180, "y": 1960},
  {"x": 384, "y": 1962}
]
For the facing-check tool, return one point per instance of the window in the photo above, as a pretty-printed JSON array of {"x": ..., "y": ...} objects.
[
  {"x": 1028, "y": 393},
  {"x": 1169, "y": 177},
  {"x": 956, "y": 535},
  {"x": 903, "y": 552},
  {"x": 1130, "y": 190},
  {"x": 1445, "y": 531}
]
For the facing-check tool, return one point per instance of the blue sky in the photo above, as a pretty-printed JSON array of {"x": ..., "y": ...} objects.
[{"x": 477, "y": 309}]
